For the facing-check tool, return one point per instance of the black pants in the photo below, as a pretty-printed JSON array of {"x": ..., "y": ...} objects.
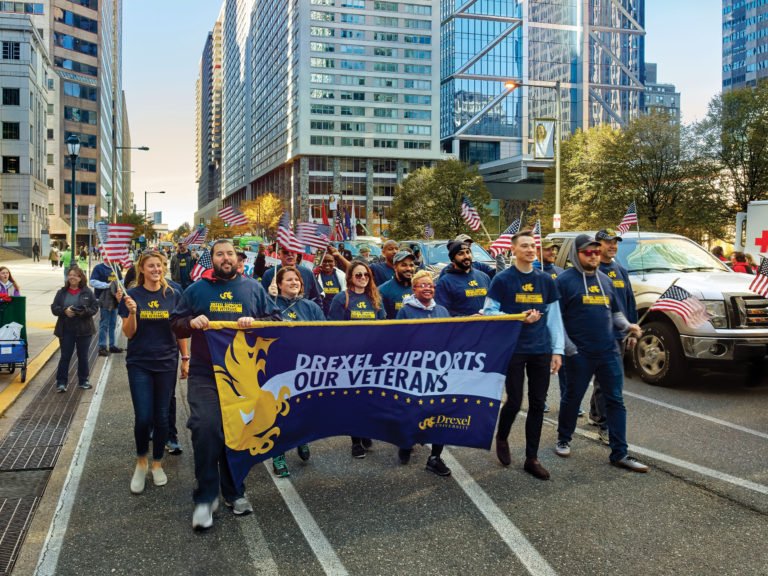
[{"x": 537, "y": 366}]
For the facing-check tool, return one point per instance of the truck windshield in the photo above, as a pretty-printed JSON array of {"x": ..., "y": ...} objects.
[{"x": 666, "y": 255}]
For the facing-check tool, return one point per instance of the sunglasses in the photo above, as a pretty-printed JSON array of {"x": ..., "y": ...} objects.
[
  {"x": 423, "y": 286},
  {"x": 590, "y": 252},
  {"x": 359, "y": 275}
]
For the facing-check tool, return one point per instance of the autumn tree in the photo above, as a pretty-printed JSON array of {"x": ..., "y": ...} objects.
[
  {"x": 263, "y": 213},
  {"x": 182, "y": 232},
  {"x": 141, "y": 226}
]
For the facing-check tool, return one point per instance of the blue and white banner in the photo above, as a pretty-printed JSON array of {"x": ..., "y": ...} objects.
[{"x": 403, "y": 382}]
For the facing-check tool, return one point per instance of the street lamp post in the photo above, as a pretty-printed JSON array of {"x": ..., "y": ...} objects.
[
  {"x": 73, "y": 147},
  {"x": 114, "y": 170},
  {"x": 145, "y": 201}
]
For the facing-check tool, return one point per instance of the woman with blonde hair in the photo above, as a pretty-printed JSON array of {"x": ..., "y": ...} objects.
[
  {"x": 7, "y": 283},
  {"x": 152, "y": 361}
]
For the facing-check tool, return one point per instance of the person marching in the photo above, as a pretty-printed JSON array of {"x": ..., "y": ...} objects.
[
  {"x": 288, "y": 294},
  {"x": 102, "y": 277},
  {"x": 201, "y": 303},
  {"x": 75, "y": 305},
  {"x": 521, "y": 289},
  {"x": 7, "y": 283},
  {"x": 181, "y": 266},
  {"x": 482, "y": 267},
  {"x": 384, "y": 271},
  {"x": 462, "y": 289},
  {"x": 332, "y": 280},
  {"x": 395, "y": 291},
  {"x": 312, "y": 290},
  {"x": 360, "y": 301},
  {"x": 152, "y": 362}
]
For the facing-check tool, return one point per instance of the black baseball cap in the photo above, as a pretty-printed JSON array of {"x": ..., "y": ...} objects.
[{"x": 584, "y": 240}]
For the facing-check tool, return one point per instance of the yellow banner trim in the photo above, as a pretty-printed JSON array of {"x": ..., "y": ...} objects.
[{"x": 218, "y": 324}]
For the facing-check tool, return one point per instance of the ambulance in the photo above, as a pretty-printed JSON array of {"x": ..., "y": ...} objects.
[{"x": 752, "y": 230}]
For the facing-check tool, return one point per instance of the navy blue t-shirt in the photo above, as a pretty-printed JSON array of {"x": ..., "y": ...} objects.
[
  {"x": 311, "y": 287},
  {"x": 624, "y": 296},
  {"x": 299, "y": 310},
  {"x": 392, "y": 295},
  {"x": 382, "y": 273},
  {"x": 153, "y": 346},
  {"x": 463, "y": 294},
  {"x": 331, "y": 286},
  {"x": 359, "y": 308},
  {"x": 517, "y": 292},
  {"x": 587, "y": 320}
]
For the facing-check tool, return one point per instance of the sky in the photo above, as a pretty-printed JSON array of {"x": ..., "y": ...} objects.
[{"x": 163, "y": 41}]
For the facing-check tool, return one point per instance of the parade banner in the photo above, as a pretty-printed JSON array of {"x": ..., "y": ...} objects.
[{"x": 403, "y": 382}]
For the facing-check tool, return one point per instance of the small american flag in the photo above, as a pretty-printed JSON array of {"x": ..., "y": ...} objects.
[
  {"x": 203, "y": 263},
  {"x": 312, "y": 234},
  {"x": 470, "y": 215},
  {"x": 115, "y": 239},
  {"x": 504, "y": 241},
  {"x": 232, "y": 216},
  {"x": 537, "y": 233},
  {"x": 629, "y": 218},
  {"x": 429, "y": 232},
  {"x": 682, "y": 302},
  {"x": 760, "y": 283},
  {"x": 340, "y": 234},
  {"x": 285, "y": 236},
  {"x": 197, "y": 236}
]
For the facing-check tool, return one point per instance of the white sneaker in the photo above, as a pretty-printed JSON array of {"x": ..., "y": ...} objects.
[
  {"x": 202, "y": 518},
  {"x": 563, "y": 449},
  {"x": 159, "y": 477},
  {"x": 138, "y": 479},
  {"x": 240, "y": 506},
  {"x": 631, "y": 464}
]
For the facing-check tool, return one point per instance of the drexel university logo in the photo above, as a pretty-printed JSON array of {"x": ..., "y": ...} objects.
[{"x": 226, "y": 295}]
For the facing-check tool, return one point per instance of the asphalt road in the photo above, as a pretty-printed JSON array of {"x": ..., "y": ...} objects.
[{"x": 702, "y": 509}]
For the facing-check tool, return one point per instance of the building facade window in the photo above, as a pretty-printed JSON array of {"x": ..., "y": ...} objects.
[
  {"x": 384, "y": 143},
  {"x": 352, "y": 141},
  {"x": 76, "y": 44},
  {"x": 11, "y": 164},
  {"x": 321, "y": 140},
  {"x": 352, "y": 111},
  {"x": 81, "y": 91},
  {"x": 11, "y": 227},
  {"x": 11, "y": 50},
  {"x": 11, "y": 96},
  {"x": 75, "y": 66},
  {"x": 76, "y": 21},
  {"x": 79, "y": 115}
]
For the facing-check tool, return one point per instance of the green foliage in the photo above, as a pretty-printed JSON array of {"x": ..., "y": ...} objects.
[
  {"x": 434, "y": 193},
  {"x": 182, "y": 232},
  {"x": 141, "y": 227}
]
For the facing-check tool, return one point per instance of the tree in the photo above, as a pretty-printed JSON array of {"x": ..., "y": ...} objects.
[
  {"x": 141, "y": 226},
  {"x": 264, "y": 213},
  {"x": 735, "y": 136},
  {"x": 434, "y": 194},
  {"x": 219, "y": 229},
  {"x": 182, "y": 232}
]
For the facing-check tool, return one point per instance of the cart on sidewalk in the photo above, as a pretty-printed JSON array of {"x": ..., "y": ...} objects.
[{"x": 13, "y": 335}]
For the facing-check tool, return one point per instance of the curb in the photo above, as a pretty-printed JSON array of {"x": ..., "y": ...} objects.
[{"x": 16, "y": 387}]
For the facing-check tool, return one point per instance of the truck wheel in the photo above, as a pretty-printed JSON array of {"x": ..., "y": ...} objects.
[{"x": 658, "y": 356}]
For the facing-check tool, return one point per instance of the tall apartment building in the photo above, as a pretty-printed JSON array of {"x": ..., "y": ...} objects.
[
  {"x": 328, "y": 98},
  {"x": 745, "y": 43},
  {"x": 25, "y": 76},
  {"x": 660, "y": 97},
  {"x": 501, "y": 62}
]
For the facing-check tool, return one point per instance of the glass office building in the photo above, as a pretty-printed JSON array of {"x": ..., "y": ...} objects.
[{"x": 745, "y": 42}]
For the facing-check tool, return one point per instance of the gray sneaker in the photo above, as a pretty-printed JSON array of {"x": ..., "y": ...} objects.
[
  {"x": 604, "y": 436},
  {"x": 202, "y": 518},
  {"x": 240, "y": 506},
  {"x": 563, "y": 449},
  {"x": 630, "y": 464}
]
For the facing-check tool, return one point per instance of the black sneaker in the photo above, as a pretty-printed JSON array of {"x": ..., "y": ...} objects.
[
  {"x": 85, "y": 385},
  {"x": 358, "y": 451},
  {"x": 303, "y": 452},
  {"x": 404, "y": 454},
  {"x": 436, "y": 465},
  {"x": 367, "y": 443},
  {"x": 61, "y": 387},
  {"x": 115, "y": 350},
  {"x": 103, "y": 351}
]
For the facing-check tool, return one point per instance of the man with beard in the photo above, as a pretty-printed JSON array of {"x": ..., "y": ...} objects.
[
  {"x": 399, "y": 288},
  {"x": 226, "y": 295},
  {"x": 491, "y": 272},
  {"x": 385, "y": 271},
  {"x": 312, "y": 290},
  {"x": 462, "y": 289}
]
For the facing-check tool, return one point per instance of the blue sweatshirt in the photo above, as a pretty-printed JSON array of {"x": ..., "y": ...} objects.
[
  {"x": 382, "y": 273},
  {"x": 311, "y": 287},
  {"x": 412, "y": 309},
  {"x": 218, "y": 300},
  {"x": 624, "y": 296},
  {"x": 551, "y": 269},
  {"x": 462, "y": 293},
  {"x": 331, "y": 286},
  {"x": 481, "y": 266},
  {"x": 101, "y": 276},
  {"x": 359, "y": 308},
  {"x": 299, "y": 310},
  {"x": 392, "y": 295}
]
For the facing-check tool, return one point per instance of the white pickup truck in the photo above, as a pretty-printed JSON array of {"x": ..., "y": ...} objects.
[{"x": 737, "y": 333}]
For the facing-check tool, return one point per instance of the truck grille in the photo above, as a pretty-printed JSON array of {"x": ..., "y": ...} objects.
[{"x": 752, "y": 312}]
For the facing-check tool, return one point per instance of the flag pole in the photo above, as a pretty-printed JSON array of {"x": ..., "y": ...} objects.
[
  {"x": 651, "y": 306},
  {"x": 639, "y": 246},
  {"x": 486, "y": 231}
]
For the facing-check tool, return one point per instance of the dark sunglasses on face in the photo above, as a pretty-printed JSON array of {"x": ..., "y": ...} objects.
[
  {"x": 590, "y": 252},
  {"x": 359, "y": 275}
]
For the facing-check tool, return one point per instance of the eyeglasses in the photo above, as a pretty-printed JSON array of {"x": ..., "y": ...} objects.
[
  {"x": 359, "y": 275},
  {"x": 590, "y": 252},
  {"x": 423, "y": 286}
]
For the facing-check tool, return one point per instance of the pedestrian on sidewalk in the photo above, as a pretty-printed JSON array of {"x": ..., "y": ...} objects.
[
  {"x": 53, "y": 256},
  {"x": 36, "y": 252},
  {"x": 104, "y": 282},
  {"x": 7, "y": 283},
  {"x": 152, "y": 360},
  {"x": 75, "y": 305}
]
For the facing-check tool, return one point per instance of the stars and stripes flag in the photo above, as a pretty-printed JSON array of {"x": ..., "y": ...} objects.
[
  {"x": 285, "y": 236},
  {"x": 340, "y": 234},
  {"x": 760, "y": 283},
  {"x": 115, "y": 240},
  {"x": 429, "y": 232},
  {"x": 470, "y": 215},
  {"x": 197, "y": 236},
  {"x": 232, "y": 216},
  {"x": 203, "y": 263},
  {"x": 312, "y": 234},
  {"x": 353, "y": 224},
  {"x": 504, "y": 241},
  {"x": 537, "y": 234},
  {"x": 682, "y": 302},
  {"x": 629, "y": 219}
]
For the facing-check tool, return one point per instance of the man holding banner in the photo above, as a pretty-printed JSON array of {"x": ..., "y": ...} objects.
[{"x": 227, "y": 295}]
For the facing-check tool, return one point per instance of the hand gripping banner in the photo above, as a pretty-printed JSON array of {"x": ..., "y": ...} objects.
[{"x": 403, "y": 382}]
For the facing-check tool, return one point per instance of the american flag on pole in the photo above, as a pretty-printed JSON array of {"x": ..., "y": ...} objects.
[
  {"x": 760, "y": 283},
  {"x": 629, "y": 219},
  {"x": 312, "y": 234},
  {"x": 470, "y": 215},
  {"x": 197, "y": 236},
  {"x": 115, "y": 240},
  {"x": 537, "y": 233},
  {"x": 203, "y": 263},
  {"x": 285, "y": 236},
  {"x": 232, "y": 216},
  {"x": 429, "y": 232},
  {"x": 504, "y": 241},
  {"x": 340, "y": 234},
  {"x": 682, "y": 302}
]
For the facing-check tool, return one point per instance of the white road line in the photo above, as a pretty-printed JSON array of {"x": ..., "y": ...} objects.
[
  {"x": 515, "y": 540},
  {"x": 697, "y": 414},
  {"x": 49, "y": 556},
  {"x": 258, "y": 550},
  {"x": 315, "y": 538}
]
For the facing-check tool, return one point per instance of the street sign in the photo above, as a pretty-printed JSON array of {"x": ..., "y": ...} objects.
[
  {"x": 556, "y": 222},
  {"x": 91, "y": 216}
]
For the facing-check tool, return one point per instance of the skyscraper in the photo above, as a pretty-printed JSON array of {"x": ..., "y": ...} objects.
[
  {"x": 745, "y": 43},
  {"x": 659, "y": 96}
]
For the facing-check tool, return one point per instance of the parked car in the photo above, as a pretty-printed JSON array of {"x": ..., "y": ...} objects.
[
  {"x": 354, "y": 246},
  {"x": 434, "y": 254},
  {"x": 736, "y": 333}
]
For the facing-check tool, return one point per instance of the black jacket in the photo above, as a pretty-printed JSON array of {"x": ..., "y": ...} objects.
[{"x": 82, "y": 324}]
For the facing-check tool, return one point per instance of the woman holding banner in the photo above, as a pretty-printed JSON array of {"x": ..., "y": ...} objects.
[
  {"x": 152, "y": 360},
  {"x": 360, "y": 301},
  {"x": 288, "y": 292}
]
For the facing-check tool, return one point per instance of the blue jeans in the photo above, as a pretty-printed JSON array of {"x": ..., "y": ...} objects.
[
  {"x": 107, "y": 324},
  {"x": 67, "y": 344},
  {"x": 211, "y": 466},
  {"x": 579, "y": 371},
  {"x": 151, "y": 394}
]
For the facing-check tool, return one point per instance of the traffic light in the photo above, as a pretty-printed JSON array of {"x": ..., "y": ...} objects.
[
  {"x": 226, "y": 224},
  {"x": 202, "y": 221}
]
